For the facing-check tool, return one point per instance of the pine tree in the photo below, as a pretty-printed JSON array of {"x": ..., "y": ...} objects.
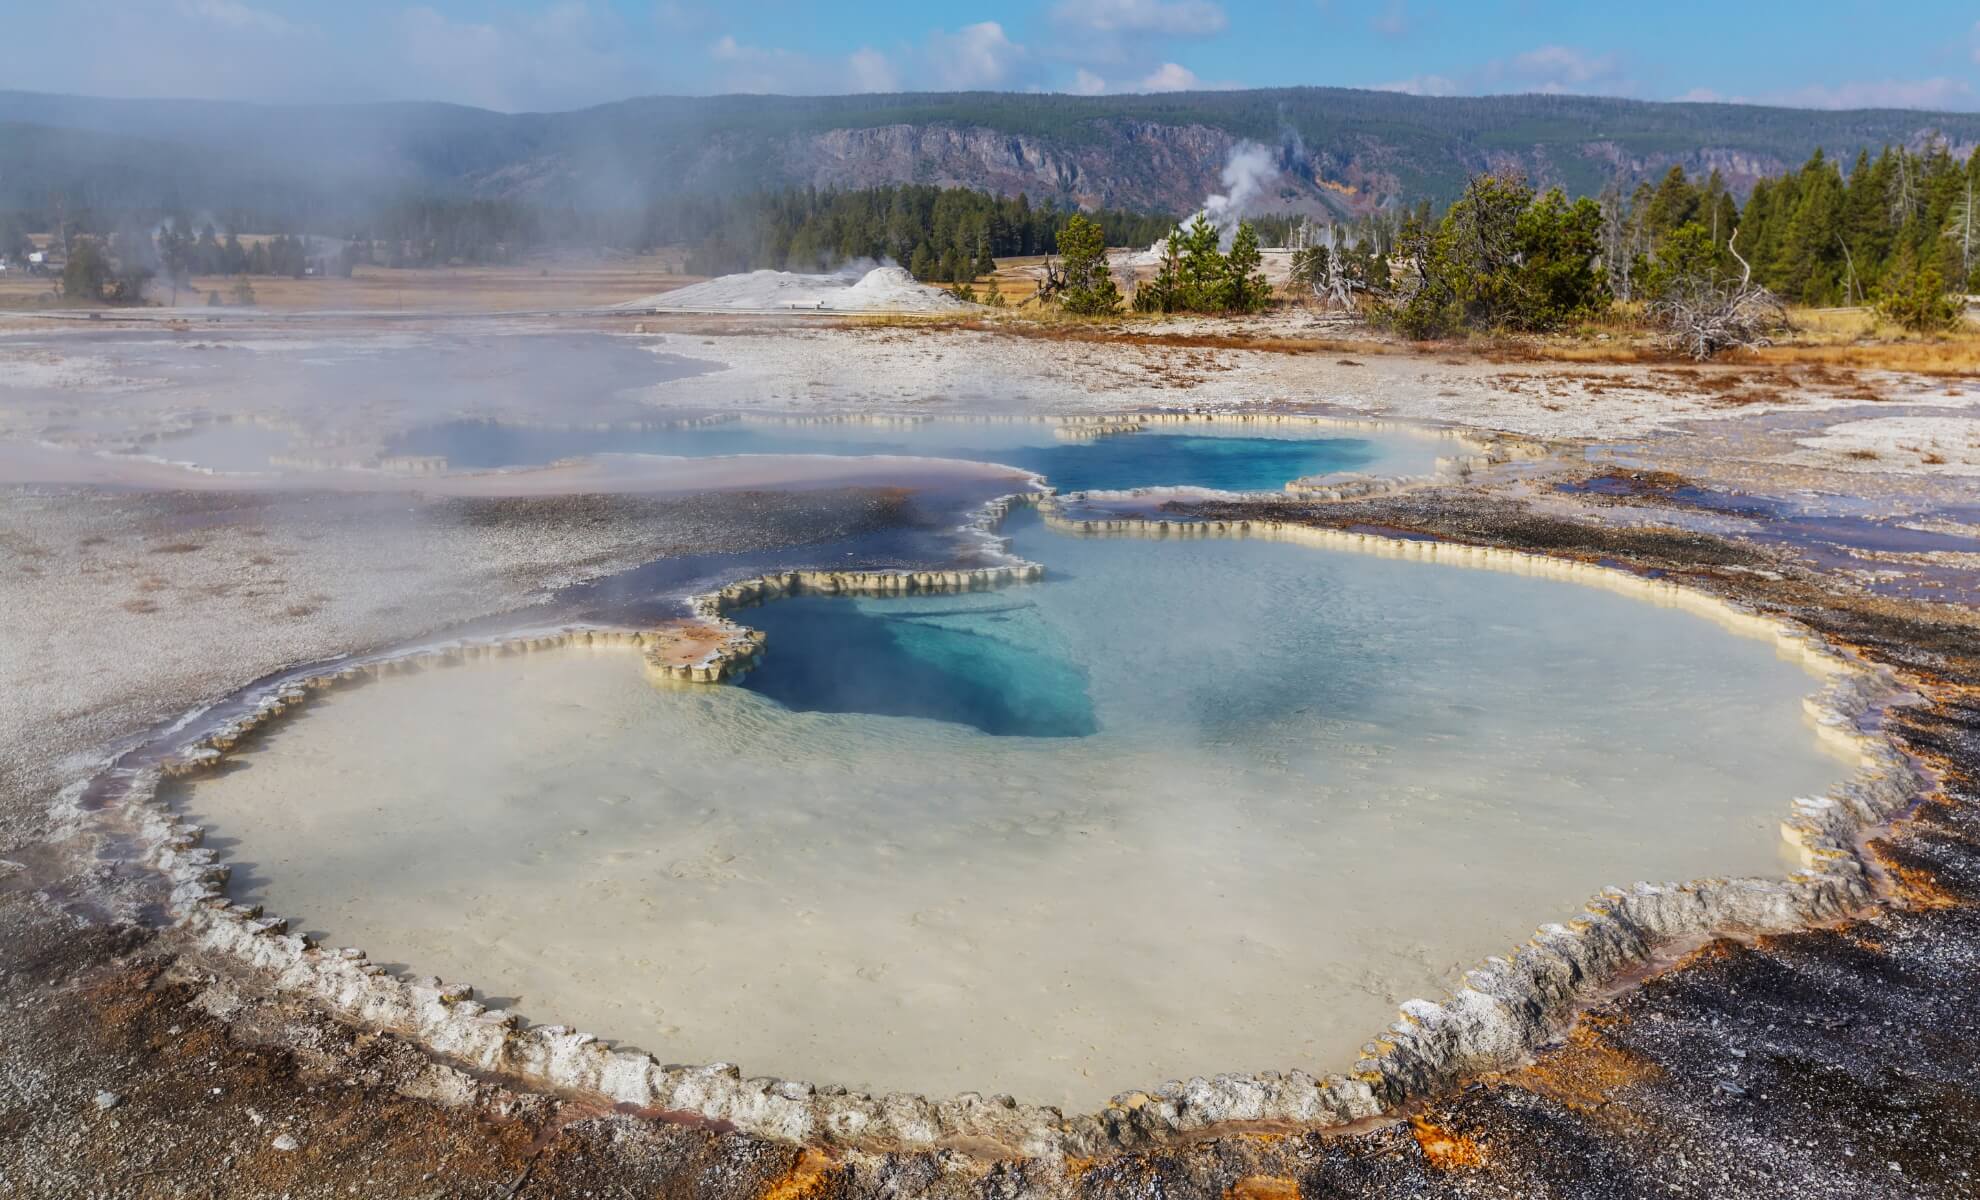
[
  {"x": 1163, "y": 294},
  {"x": 1811, "y": 251},
  {"x": 1866, "y": 229},
  {"x": 1673, "y": 204},
  {"x": 921, "y": 264},
  {"x": 87, "y": 271},
  {"x": 1200, "y": 268},
  {"x": 1090, "y": 289},
  {"x": 1245, "y": 289},
  {"x": 1914, "y": 295}
]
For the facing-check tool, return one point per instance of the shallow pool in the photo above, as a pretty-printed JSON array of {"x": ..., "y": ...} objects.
[
  {"x": 1228, "y": 457},
  {"x": 1184, "y": 807}
]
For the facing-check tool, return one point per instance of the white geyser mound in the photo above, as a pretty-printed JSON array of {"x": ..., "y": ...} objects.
[{"x": 884, "y": 288}]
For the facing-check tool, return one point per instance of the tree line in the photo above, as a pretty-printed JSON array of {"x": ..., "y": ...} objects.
[
  {"x": 1900, "y": 231},
  {"x": 941, "y": 235}
]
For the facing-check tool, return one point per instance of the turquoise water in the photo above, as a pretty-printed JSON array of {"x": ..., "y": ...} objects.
[
  {"x": 1210, "y": 457},
  {"x": 1233, "y": 643},
  {"x": 995, "y": 664}
]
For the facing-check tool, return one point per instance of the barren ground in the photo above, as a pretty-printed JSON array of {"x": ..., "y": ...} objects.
[{"x": 1837, "y": 1062}]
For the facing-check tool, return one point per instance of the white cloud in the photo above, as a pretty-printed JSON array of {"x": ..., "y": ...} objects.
[
  {"x": 1422, "y": 85},
  {"x": 1171, "y": 77},
  {"x": 975, "y": 56},
  {"x": 548, "y": 54},
  {"x": 1392, "y": 21},
  {"x": 768, "y": 69},
  {"x": 1086, "y": 83},
  {"x": 566, "y": 54},
  {"x": 685, "y": 16},
  {"x": 872, "y": 71},
  {"x": 1549, "y": 69},
  {"x": 1563, "y": 62},
  {"x": 230, "y": 14},
  {"x": 1162, "y": 18},
  {"x": 1702, "y": 95},
  {"x": 1561, "y": 69},
  {"x": 1938, "y": 92}
]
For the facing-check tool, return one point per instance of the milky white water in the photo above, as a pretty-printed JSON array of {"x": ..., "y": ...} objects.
[{"x": 1256, "y": 796}]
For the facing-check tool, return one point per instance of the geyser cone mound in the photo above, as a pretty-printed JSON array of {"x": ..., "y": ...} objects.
[{"x": 881, "y": 289}]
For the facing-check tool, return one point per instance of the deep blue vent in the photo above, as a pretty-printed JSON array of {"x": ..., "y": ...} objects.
[
  {"x": 990, "y": 662},
  {"x": 1151, "y": 459}
]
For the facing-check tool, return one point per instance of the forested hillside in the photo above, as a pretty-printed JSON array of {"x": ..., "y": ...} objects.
[{"x": 1334, "y": 150}]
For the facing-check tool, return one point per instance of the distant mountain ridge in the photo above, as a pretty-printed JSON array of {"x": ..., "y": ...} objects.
[{"x": 1335, "y": 149}]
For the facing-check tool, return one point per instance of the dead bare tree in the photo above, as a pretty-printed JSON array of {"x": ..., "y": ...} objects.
[
  {"x": 1339, "y": 285},
  {"x": 1702, "y": 315},
  {"x": 1052, "y": 284},
  {"x": 1319, "y": 265},
  {"x": 1961, "y": 231},
  {"x": 1905, "y": 197},
  {"x": 1618, "y": 254}
]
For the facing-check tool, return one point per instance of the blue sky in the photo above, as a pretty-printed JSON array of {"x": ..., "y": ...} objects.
[{"x": 554, "y": 54}]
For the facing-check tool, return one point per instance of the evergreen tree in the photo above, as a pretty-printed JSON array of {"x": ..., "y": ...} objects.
[
  {"x": 1914, "y": 295},
  {"x": 1866, "y": 235},
  {"x": 1811, "y": 253},
  {"x": 1675, "y": 203},
  {"x": 1200, "y": 266},
  {"x": 922, "y": 264},
  {"x": 1089, "y": 289},
  {"x": 1687, "y": 257},
  {"x": 1502, "y": 259},
  {"x": 87, "y": 272},
  {"x": 1163, "y": 293},
  {"x": 1245, "y": 289}
]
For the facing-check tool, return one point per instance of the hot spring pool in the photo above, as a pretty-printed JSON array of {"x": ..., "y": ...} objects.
[
  {"x": 1184, "y": 807},
  {"x": 1233, "y": 457}
]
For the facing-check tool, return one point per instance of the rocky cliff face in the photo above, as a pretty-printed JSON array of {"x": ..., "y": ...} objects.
[
  {"x": 1131, "y": 165},
  {"x": 1141, "y": 165}
]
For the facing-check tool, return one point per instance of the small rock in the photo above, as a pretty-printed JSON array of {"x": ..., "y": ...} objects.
[
  {"x": 1731, "y": 1089},
  {"x": 286, "y": 1143},
  {"x": 105, "y": 1101}
]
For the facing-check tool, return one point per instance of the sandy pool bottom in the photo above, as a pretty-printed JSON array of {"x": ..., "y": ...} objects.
[{"x": 1285, "y": 790}]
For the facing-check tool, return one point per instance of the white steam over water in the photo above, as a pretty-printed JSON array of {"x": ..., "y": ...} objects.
[{"x": 1250, "y": 170}]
